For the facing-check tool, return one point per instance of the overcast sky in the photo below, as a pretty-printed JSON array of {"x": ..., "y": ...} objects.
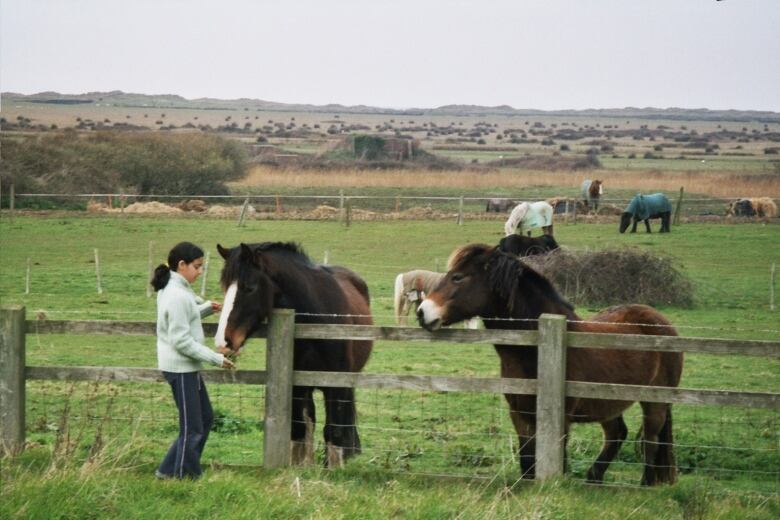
[{"x": 545, "y": 54}]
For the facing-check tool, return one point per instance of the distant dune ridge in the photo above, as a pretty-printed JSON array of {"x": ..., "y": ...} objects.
[{"x": 172, "y": 101}]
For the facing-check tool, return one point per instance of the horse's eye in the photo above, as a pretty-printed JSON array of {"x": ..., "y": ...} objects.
[{"x": 458, "y": 277}]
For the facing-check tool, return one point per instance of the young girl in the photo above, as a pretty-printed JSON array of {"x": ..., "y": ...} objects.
[{"x": 180, "y": 354}]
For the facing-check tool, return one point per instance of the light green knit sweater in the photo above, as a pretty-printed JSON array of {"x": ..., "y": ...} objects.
[{"x": 180, "y": 336}]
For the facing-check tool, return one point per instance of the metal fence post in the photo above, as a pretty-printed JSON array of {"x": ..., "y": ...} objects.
[
  {"x": 551, "y": 397},
  {"x": 12, "y": 388},
  {"x": 278, "y": 390}
]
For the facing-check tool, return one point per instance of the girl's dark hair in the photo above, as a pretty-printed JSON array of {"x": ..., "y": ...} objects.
[{"x": 186, "y": 251}]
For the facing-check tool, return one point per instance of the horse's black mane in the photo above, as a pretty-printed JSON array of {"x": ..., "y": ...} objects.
[
  {"x": 505, "y": 275},
  {"x": 235, "y": 265}
]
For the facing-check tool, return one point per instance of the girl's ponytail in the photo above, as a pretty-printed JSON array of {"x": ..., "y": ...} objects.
[{"x": 162, "y": 274}]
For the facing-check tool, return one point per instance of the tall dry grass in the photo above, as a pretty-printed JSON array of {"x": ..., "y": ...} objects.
[{"x": 720, "y": 184}]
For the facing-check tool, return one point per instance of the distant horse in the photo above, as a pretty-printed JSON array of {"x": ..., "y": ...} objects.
[
  {"x": 409, "y": 291},
  {"x": 257, "y": 278},
  {"x": 740, "y": 208},
  {"x": 483, "y": 281},
  {"x": 530, "y": 215},
  {"x": 645, "y": 207},
  {"x": 759, "y": 207},
  {"x": 520, "y": 245},
  {"x": 499, "y": 205},
  {"x": 591, "y": 192}
]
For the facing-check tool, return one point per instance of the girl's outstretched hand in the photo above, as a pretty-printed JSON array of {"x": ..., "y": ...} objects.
[
  {"x": 216, "y": 306},
  {"x": 230, "y": 356}
]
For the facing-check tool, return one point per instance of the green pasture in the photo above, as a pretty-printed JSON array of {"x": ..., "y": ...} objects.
[{"x": 426, "y": 454}]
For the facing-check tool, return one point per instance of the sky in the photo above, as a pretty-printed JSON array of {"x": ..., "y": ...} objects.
[{"x": 545, "y": 54}]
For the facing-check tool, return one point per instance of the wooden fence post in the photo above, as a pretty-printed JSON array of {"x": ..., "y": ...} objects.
[
  {"x": 150, "y": 272},
  {"x": 27, "y": 277},
  {"x": 278, "y": 389},
  {"x": 574, "y": 213},
  {"x": 341, "y": 205},
  {"x": 205, "y": 275},
  {"x": 11, "y": 203},
  {"x": 460, "y": 211},
  {"x": 12, "y": 387},
  {"x": 551, "y": 397},
  {"x": 679, "y": 207},
  {"x": 772, "y": 287},
  {"x": 242, "y": 216},
  {"x": 97, "y": 272},
  {"x": 348, "y": 213}
]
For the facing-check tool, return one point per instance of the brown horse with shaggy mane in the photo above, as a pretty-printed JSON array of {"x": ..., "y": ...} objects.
[{"x": 484, "y": 281}]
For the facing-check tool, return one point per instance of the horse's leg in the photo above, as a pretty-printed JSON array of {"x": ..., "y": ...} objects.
[
  {"x": 303, "y": 420},
  {"x": 525, "y": 426},
  {"x": 665, "y": 218},
  {"x": 647, "y": 225},
  {"x": 633, "y": 228},
  {"x": 341, "y": 436},
  {"x": 658, "y": 444},
  {"x": 615, "y": 433}
]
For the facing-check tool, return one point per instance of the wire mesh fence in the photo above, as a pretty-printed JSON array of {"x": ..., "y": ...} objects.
[{"x": 409, "y": 432}]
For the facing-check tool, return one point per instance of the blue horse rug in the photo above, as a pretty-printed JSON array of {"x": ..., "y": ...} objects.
[{"x": 642, "y": 206}]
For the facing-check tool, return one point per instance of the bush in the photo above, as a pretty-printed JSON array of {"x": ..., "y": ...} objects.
[{"x": 112, "y": 161}]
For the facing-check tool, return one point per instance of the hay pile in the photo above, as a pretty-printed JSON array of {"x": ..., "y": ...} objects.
[
  {"x": 152, "y": 207},
  {"x": 615, "y": 276},
  {"x": 218, "y": 210}
]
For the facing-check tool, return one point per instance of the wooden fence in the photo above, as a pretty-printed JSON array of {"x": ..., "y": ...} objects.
[{"x": 552, "y": 339}]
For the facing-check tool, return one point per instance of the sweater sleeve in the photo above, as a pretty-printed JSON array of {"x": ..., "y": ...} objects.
[
  {"x": 181, "y": 338},
  {"x": 204, "y": 307}
]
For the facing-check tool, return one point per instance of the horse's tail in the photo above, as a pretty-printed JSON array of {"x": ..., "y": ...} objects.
[
  {"x": 665, "y": 464},
  {"x": 398, "y": 296}
]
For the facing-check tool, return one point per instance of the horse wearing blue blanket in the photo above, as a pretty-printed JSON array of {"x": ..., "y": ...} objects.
[{"x": 645, "y": 207}]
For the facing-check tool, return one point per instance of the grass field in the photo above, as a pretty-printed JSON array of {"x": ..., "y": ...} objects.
[{"x": 93, "y": 446}]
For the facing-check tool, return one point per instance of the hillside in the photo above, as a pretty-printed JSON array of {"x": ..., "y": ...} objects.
[{"x": 170, "y": 101}]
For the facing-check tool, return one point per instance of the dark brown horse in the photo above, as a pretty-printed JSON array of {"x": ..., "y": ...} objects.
[
  {"x": 483, "y": 281},
  {"x": 259, "y": 277}
]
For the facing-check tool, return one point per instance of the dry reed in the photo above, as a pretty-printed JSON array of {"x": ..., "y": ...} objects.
[{"x": 720, "y": 184}]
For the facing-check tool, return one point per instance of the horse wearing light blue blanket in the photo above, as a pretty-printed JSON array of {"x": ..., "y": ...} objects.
[
  {"x": 530, "y": 215},
  {"x": 645, "y": 207}
]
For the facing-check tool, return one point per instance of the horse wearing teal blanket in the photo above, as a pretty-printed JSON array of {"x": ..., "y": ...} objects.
[{"x": 645, "y": 207}]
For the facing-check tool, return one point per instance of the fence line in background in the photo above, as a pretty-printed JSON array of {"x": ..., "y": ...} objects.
[{"x": 551, "y": 390}]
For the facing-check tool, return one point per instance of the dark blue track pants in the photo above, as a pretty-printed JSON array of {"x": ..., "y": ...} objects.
[{"x": 195, "y": 419}]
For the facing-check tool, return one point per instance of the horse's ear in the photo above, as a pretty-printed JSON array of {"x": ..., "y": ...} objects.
[
  {"x": 223, "y": 252},
  {"x": 246, "y": 252}
]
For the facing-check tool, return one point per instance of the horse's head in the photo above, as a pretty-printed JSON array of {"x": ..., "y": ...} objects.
[
  {"x": 249, "y": 294},
  {"x": 625, "y": 221},
  {"x": 464, "y": 292}
]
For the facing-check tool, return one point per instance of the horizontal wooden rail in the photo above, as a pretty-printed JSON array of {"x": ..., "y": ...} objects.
[
  {"x": 492, "y": 336},
  {"x": 424, "y": 383},
  {"x": 150, "y": 375}
]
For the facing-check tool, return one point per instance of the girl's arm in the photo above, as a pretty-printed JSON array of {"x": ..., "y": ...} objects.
[
  {"x": 205, "y": 307},
  {"x": 181, "y": 338}
]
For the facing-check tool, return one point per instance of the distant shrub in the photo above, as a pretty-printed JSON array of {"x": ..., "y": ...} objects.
[
  {"x": 134, "y": 162},
  {"x": 610, "y": 277}
]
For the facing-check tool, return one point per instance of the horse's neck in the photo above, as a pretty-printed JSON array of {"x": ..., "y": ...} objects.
[{"x": 525, "y": 312}]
